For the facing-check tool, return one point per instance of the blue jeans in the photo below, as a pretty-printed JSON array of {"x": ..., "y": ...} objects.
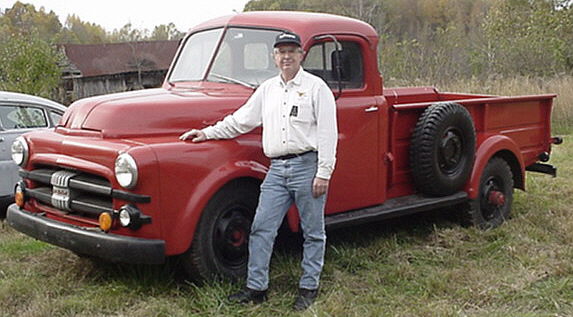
[{"x": 286, "y": 182}]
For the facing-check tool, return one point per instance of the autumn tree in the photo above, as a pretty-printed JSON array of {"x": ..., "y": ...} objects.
[
  {"x": 77, "y": 31},
  {"x": 24, "y": 19},
  {"x": 166, "y": 32},
  {"x": 29, "y": 65}
]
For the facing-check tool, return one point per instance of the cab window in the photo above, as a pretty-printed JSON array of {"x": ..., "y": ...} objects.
[{"x": 322, "y": 60}]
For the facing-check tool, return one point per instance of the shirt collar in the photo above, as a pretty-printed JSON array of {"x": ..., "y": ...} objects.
[{"x": 297, "y": 80}]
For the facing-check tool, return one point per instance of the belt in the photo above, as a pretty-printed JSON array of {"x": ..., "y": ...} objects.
[{"x": 290, "y": 156}]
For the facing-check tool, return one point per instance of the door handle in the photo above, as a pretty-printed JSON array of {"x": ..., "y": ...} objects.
[{"x": 371, "y": 109}]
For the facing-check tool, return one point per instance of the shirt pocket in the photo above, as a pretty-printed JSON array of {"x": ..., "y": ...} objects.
[{"x": 302, "y": 107}]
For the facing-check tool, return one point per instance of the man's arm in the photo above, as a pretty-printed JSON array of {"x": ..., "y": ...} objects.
[
  {"x": 245, "y": 119},
  {"x": 327, "y": 134}
]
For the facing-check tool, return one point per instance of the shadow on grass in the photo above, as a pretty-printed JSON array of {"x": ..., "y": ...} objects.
[{"x": 412, "y": 228}]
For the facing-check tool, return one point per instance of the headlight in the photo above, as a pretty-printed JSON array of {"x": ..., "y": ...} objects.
[
  {"x": 20, "y": 151},
  {"x": 126, "y": 171}
]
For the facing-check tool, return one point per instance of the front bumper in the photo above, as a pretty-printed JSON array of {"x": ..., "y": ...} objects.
[{"x": 110, "y": 247}]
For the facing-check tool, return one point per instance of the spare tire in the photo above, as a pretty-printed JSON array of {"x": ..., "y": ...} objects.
[{"x": 442, "y": 149}]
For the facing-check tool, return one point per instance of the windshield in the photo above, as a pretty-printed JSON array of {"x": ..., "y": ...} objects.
[
  {"x": 195, "y": 56},
  {"x": 244, "y": 57}
]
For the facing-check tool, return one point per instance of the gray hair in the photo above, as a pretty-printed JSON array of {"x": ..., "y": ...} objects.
[{"x": 299, "y": 50}]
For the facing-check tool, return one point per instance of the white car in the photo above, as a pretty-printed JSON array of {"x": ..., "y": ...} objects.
[{"x": 20, "y": 113}]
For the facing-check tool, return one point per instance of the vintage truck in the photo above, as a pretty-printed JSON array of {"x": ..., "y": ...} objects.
[{"x": 114, "y": 181}]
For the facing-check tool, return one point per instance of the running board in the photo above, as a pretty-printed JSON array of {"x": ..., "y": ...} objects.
[{"x": 395, "y": 207}]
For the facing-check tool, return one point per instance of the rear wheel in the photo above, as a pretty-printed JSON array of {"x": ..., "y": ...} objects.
[
  {"x": 220, "y": 245},
  {"x": 493, "y": 204}
]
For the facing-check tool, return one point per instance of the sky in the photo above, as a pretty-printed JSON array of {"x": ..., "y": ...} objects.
[{"x": 114, "y": 14}]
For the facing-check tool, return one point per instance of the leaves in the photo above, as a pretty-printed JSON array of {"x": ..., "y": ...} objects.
[{"x": 29, "y": 65}]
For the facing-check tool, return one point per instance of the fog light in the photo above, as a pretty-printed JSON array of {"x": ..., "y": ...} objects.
[
  {"x": 129, "y": 216},
  {"x": 19, "y": 195},
  {"x": 105, "y": 221}
]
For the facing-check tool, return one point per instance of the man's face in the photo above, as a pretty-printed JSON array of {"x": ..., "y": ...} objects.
[{"x": 288, "y": 57}]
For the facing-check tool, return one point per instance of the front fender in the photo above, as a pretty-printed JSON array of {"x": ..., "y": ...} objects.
[
  {"x": 487, "y": 149},
  {"x": 192, "y": 173}
]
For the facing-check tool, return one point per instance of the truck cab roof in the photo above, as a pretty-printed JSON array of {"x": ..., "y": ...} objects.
[{"x": 305, "y": 24}]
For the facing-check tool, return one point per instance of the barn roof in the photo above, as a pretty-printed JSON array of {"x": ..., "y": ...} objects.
[{"x": 114, "y": 58}]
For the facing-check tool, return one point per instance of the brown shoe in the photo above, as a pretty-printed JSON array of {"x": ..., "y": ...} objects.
[
  {"x": 305, "y": 298},
  {"x": 248, "y": 295}
]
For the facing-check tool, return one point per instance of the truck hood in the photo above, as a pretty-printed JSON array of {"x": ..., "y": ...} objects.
[{"x": 155, "y": 112}]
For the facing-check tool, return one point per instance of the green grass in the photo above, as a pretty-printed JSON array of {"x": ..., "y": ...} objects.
[{"x": 424, "y": 265}]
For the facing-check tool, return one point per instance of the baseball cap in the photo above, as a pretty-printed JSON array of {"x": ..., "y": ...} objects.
[{"x": 287, "y": 38}]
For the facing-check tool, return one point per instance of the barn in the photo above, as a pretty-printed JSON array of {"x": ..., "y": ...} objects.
[{"x": 96, "y": 69}]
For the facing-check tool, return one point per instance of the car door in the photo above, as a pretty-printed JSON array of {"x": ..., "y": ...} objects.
[{"x": 15, "y": 119}]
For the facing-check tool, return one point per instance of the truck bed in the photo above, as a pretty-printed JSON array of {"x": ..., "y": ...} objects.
[{"x": 526, "y": 120}]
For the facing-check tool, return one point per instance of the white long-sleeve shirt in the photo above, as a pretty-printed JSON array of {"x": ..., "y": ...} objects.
[{"x": 296, "y": 116}]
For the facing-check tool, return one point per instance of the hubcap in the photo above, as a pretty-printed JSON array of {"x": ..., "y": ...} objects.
[
  {"x": 450, "y": 151},
  {"x": 496, "y": 198},
  {"x": 493, "y": 198},
  {"x": 231, "y": 237}
]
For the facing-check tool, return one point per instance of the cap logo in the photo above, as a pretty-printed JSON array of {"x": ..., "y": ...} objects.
[{"x": 282, "y": 36}]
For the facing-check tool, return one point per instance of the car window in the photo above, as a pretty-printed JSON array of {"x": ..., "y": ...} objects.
[
  {"x": 22, "y": 117},
  {"x": 55, "y": 117},
  {"x": 322, "y": 60}
]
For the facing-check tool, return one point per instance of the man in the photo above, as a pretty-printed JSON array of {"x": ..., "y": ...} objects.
[{"x": 298, "y": 115}]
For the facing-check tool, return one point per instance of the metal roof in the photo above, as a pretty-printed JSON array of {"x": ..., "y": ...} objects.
[{"x": 114, "y": 58}]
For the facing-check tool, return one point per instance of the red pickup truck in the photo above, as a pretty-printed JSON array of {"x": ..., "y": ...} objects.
[{"x": 114, "y": 181}]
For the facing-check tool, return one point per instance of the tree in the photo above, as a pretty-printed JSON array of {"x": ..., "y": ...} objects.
[
  {"x": 128, "y": 34},
  {"x": 166, "y": 32},
  {"x": 273, "y": 5},
  {"x": 77, "y": 31},
  {"x": 29, "y": 65},
  {"x": 24, "y": 19},
  {"x": 530, "y": 37}
]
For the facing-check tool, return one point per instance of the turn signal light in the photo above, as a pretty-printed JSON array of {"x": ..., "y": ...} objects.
[
  {"x": 105, "y": 221},
  {"x": 19, "y": 198}
]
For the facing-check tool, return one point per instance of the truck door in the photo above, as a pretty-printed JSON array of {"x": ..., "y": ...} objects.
[{"x": 356, "y": 180}]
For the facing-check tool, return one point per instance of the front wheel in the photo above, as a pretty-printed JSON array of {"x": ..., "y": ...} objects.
[
  {"x": 220, "y": 245},
  {"x": 493, "y": 204}
]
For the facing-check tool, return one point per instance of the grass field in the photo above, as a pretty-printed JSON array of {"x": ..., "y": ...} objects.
[{"x": 424, "y": 265}]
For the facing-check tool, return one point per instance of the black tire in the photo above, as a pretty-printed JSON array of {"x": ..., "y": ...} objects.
[
  {"x": 220, "y": 245},
  {"x": 442, "y": 149},
  {"x": 490, "y": 209}
]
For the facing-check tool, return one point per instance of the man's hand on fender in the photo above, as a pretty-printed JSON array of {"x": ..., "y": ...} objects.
[
  {"x": 193, "y": 134},
  {"x": 319, "y": 187}
]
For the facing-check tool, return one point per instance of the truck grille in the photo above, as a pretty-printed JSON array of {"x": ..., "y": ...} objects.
[{"x": 75, "y": 192}]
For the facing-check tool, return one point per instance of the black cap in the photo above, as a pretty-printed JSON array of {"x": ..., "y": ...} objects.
[{"x": 287, "y": 38}]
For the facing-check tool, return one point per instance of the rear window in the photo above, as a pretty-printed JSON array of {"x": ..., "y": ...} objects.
[{"x": 22, "y": 117}]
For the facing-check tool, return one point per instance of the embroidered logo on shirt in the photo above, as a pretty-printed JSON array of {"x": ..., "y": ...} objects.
[{"x": 300, "y": 93}]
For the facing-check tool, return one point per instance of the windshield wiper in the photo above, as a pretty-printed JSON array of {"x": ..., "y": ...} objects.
[{"x": 233, "y": 80}]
